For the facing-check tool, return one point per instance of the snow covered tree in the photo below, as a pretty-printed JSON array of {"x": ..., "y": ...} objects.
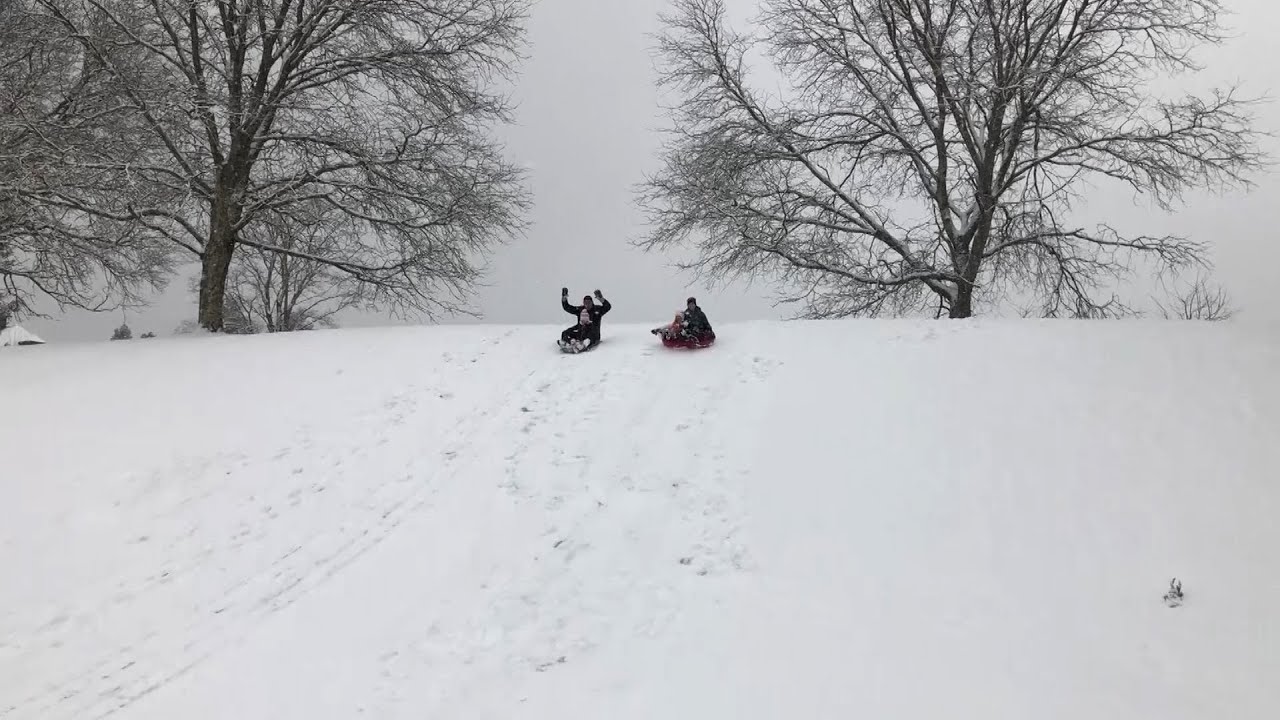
[
  {"x": 8, "y": 304},
  {"x": 378, "y": 108},
  {"x": 285, "y": 293},
  {"x": 234, "y": 321},
  {"x": 927, "y": 154},
  {"x": 60, "y": 111},
  {"x": 1198, "y": 299},
  {"x": 122, "y": 333}
]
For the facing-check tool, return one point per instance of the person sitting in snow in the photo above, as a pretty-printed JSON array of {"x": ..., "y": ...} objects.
[
  {"x": 692, "y": 324},
  {"x": 696, "y": 324},
  {"x": 587, "y": 330}
]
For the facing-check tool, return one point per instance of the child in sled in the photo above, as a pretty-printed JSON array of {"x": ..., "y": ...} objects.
[{"x": 672, "y": 331}]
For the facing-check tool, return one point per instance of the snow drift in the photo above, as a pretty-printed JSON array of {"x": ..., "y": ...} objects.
[
  {"x": 808, "y": 520},
  {"x": 16, "y": 335}
]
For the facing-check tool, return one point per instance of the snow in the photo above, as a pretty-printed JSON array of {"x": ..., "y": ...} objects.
[
  {"x": 890, "y": 519},
  {"x": 14, "y": 335}
]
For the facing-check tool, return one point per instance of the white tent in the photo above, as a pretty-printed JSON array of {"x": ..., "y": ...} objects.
[{"x": 17, "y": 335}]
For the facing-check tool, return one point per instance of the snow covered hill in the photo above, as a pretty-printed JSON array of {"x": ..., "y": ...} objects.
[{"x": 889, "y": 520}]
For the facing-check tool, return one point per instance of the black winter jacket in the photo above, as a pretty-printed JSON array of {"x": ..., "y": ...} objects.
[
  {"x": 596, "y": 312},
  {"x": 696, "y": 322}
]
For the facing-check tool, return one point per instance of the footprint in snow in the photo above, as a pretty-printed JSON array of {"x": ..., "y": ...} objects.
[{"x": 544, "y": 666}]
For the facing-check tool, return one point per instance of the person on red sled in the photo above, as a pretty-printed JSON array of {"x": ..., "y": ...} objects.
[
  {"x": 692, "y": 324},
  {"x": 674, "y": 329},
  {"x": 586, "y": 332}
]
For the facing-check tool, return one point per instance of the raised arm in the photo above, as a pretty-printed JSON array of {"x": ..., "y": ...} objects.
[
  {"x": 604, "y": 304},
  {"x": 564, "y": 302}
]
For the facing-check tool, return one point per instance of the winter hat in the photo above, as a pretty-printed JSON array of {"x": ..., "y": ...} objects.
[{"x": 691, "y": 301}]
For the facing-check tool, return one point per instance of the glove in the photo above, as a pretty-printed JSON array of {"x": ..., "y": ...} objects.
[
  {"x": 564, "y": 292},
  {"x": 597, "y": 294}
]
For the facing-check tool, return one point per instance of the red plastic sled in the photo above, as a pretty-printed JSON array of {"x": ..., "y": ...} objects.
[{"x": 689, "y": 343}]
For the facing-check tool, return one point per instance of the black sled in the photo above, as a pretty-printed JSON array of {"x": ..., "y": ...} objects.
[{"x": 573, "y": 347}]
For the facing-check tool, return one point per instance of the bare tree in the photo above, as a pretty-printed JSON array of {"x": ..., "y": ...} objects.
[
  {"x": 1197, "y": 300},
  {"x": 282, "y": 292},
  {"x": 59, "y": 108},
  {"x": 378, "y": 108},
  {"x": 928, "y": 152},
  {"x": 234, "y": 321},
  {"x": 8, "y": 304}
]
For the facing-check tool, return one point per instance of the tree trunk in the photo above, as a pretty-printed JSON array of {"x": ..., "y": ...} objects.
[
  {"x": 962, "y": 306},
  {"x": 216, "y": 261},
  {"x": 971, "y": 257},
  {"x": 214, "y": 266},
  {"x": 962, "y": 303}
]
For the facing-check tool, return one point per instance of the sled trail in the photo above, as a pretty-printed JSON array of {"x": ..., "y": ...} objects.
[{"x": 464, "y": 522}]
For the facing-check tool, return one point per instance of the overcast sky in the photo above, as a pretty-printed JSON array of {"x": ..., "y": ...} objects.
[{"x": 586, "y": 130}]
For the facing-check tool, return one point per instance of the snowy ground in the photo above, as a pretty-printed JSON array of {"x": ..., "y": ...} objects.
[{"x": 812, "y": 520}]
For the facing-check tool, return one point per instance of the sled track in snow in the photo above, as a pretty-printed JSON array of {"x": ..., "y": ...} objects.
[
  {"x": 552, "y": 413},
  {"x": 135, "y": 669},
  {"x": 541, "y": 606},
  {"x": 508, "y": 532}
]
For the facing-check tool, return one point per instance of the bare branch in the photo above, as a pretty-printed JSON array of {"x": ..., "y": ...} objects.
[
  {"x": 934, "y": 147},
  {"x": 59, "y": 110},
  {"x": 1197, "y": 300},
  {"x": 261, "y": 109}
]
